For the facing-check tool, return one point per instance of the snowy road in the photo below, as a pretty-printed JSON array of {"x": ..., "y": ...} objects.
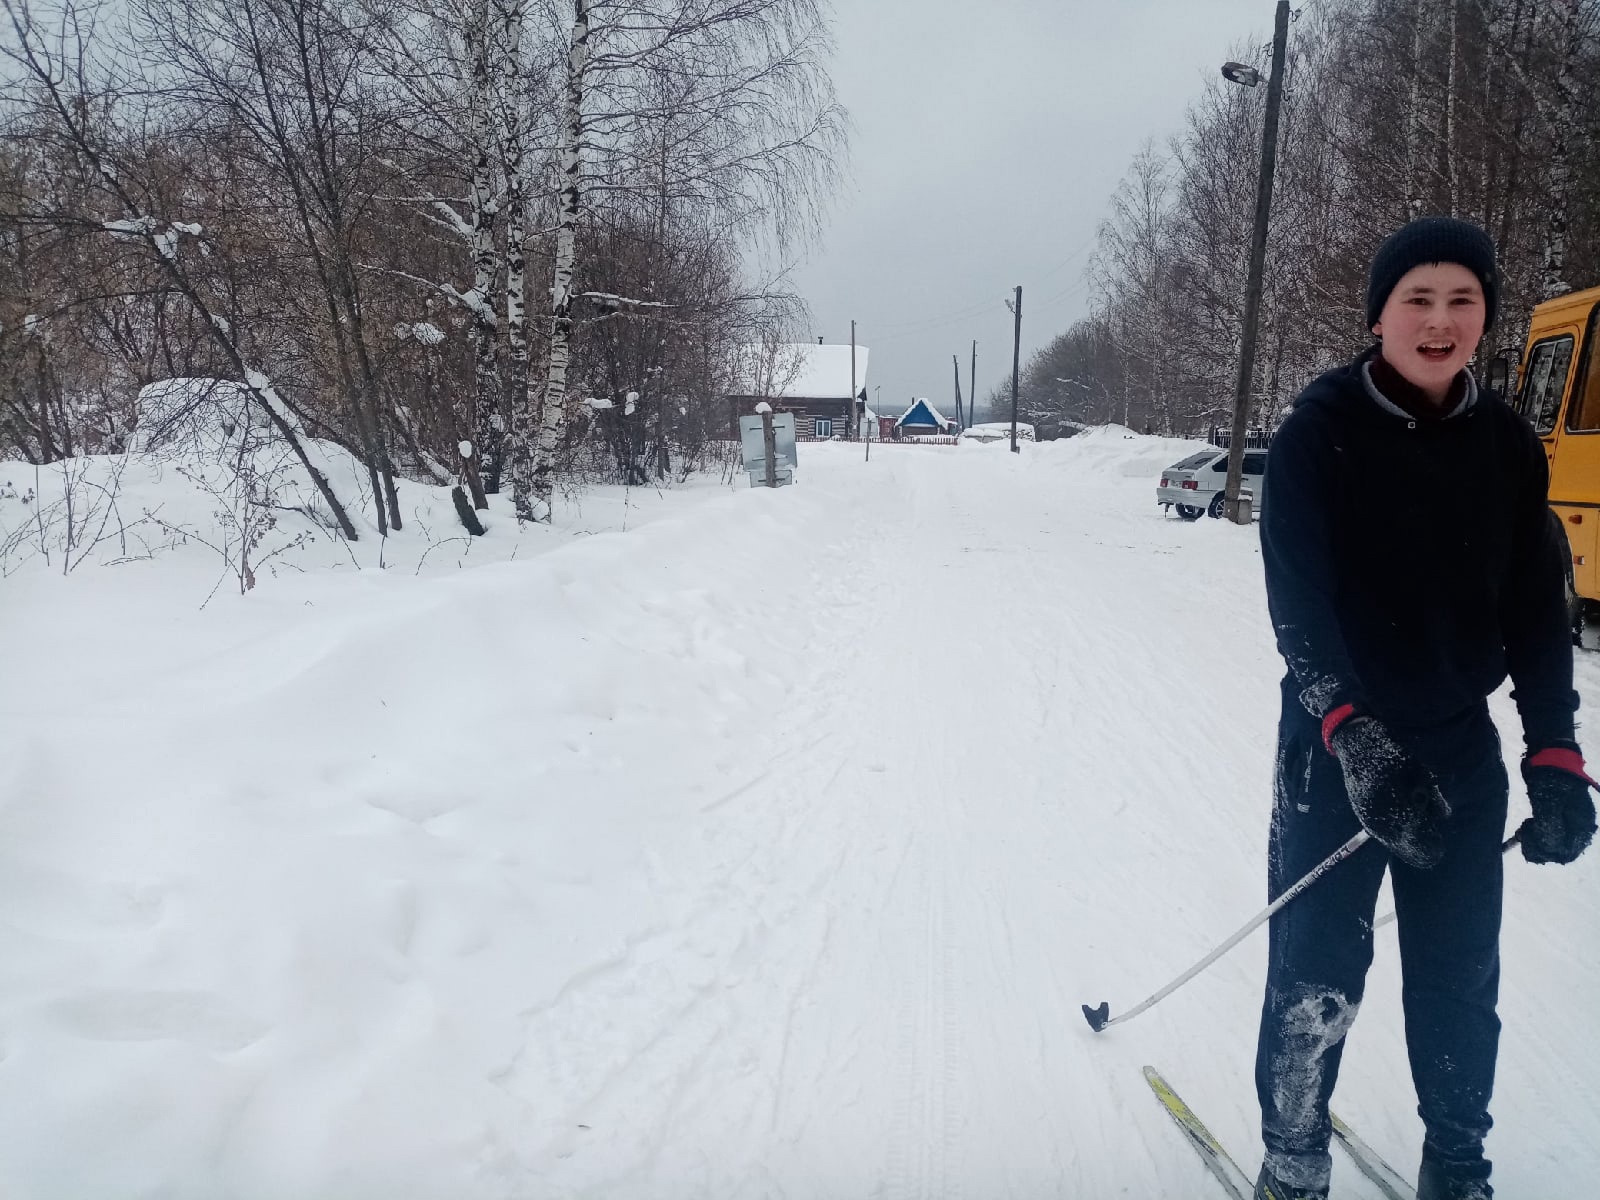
[{"x": 765, "y": 851}]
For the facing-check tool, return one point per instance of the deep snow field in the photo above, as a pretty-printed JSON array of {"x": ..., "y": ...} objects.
[{"x": 711, "y": 843}]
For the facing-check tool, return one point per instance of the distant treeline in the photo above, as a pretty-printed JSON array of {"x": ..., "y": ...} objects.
[{"x": 1484, "y": 109}]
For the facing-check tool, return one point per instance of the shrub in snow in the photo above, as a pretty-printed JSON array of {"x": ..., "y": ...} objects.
[
  {"x": 197, "y": 420},
  {"x": 217, "y": 437}
]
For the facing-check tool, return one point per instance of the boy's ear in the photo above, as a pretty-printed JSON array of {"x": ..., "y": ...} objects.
[{"x": 1377, "y": 329}]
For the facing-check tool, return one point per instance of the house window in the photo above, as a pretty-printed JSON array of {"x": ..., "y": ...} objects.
[{"x": 821, "y": 427}]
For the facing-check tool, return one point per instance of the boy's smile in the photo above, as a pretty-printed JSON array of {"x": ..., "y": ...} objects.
[{"x": 1431, "y": 325}]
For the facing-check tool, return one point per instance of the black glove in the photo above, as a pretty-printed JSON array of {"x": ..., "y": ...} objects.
[
  {"x": 1394, "y": 795},
  {"x": 1562, "y": 825}
]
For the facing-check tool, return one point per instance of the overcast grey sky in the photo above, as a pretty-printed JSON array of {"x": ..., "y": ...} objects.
[{"x": 988, "y": 138}]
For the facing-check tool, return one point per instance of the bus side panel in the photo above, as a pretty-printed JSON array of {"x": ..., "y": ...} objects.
[
  {"x": 1581, "y": 526},
  {"x": 1574, "y": 459}
]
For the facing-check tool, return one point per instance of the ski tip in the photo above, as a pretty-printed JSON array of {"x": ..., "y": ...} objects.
[{"x": 1097, "y": 1017}]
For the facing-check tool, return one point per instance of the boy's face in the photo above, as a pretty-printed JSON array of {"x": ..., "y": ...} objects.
[{"x": 1431, "y": 324}]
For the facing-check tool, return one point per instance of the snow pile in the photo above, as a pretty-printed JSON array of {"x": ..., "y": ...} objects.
[
  {"x": 310, "y": 908},
  {"x": 1114, "y": 451},
  {"x": 209, "y": 493},
  {"x": 993, "y": 431}
]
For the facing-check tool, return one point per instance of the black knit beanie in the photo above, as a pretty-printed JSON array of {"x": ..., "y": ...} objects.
[{"x": 1433, "y": 240}]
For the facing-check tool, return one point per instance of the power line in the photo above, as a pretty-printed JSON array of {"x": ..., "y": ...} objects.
[{"x": 896, "y": 330}]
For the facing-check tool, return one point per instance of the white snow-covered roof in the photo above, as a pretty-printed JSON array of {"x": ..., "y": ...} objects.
[
  {"x": 924, "y": 402},
  {"x": 800, "y": 370}
]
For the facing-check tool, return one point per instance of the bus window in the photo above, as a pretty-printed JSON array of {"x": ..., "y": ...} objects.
[
  {"x": 1583, "y": 414},
  {"x": 1546, "y": 382}
]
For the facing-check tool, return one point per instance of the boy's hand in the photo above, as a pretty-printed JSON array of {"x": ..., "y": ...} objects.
[
  {"x": 1563, "y": 821},
  {"x": 1394, "y": 795}
]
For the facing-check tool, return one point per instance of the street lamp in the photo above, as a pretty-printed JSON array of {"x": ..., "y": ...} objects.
[
  {"x": 1239, "y": 73},
  {"x": 1249, "y": 77}
]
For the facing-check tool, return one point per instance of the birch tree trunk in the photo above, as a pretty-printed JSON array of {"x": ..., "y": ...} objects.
[
  {"x": 481, "y": 469},
  {"x": 1450, "y": 114},
  {"x": 534, "y": 495},
  {"x": 1413, "y": 202},
  {"x": 1561, "y": 115},
  {"x": 513, "y": 158}
]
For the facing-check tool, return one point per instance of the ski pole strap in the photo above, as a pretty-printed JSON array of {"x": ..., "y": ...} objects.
[
  {"x": 1335, "y": 718},
  {"x": 1563, "y": 759}
]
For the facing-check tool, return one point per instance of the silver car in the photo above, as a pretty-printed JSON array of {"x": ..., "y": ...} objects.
[{"x": 1198, "y": 485}]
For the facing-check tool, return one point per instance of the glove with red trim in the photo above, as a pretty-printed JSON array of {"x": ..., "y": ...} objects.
[
  {"x": 1563, "y": 824},
  {"x": 1394, "y": 796}
]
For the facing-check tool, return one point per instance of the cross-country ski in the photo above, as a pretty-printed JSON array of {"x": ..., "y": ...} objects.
[
  {"x": 1370, "y": 1163},
  {"x": 1216, "y": 1159}
]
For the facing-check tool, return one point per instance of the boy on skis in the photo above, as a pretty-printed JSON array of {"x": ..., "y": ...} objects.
[{"x": 1412, "y": 564}]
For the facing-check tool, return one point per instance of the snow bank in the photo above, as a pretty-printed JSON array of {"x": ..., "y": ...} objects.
[
  {"x": 1113, "y": 451},
  {"x": 300, "y": 923},
  {"x": 178, "y": 502}
]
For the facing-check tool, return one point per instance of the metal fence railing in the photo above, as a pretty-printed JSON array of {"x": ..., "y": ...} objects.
[{"x": 1254, "y": 439}]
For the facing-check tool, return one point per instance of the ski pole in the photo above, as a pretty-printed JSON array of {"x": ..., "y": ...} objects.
[
  {"x": 1391, "y": 914},
  {"x": 1100, "y": 1018}
]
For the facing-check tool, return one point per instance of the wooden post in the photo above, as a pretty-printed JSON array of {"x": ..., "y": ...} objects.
[
  {"x": 972, "y": 391},
  {"x": 955, "y": 364},
  {"x": 855, "y": 421},
  {"x": 877, "y": 415},
  {"x": 1016, "y": 358}
]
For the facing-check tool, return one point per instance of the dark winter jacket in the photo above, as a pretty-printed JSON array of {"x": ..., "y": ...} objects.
[{"x": 1413, "y": 563}]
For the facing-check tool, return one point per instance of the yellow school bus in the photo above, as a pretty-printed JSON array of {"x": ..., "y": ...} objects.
[{"x": 1558, "y": 390}]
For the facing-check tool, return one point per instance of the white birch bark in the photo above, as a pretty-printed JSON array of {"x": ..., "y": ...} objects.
[
  {"x": 482, "y": 468},
  {"x": 513, "y": 157},
  {"x": 1413, "y": 201},
  {"x": 1553, "y": 282},
  {"x": 1450, "y": 114},
  {"x": 533, "y": 495}
]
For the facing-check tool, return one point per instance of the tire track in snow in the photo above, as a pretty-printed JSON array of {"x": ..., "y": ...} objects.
[
  {"x": 933, "y": 1070},
  {"x": 923, "y": 1140}
]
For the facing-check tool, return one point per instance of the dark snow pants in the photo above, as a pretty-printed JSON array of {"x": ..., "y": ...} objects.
[{"x": 1321, "y": 946}]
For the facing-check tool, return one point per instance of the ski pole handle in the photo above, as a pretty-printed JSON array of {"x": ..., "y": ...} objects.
[{"x": 1100, "y": 1018}]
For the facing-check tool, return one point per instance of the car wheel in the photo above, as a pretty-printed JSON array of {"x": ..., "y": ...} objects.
[
  {"x": 1217, "y": 502},
  {"x": 1189, "y": 512}
]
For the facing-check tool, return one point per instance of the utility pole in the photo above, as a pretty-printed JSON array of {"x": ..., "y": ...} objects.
[
  {"x": 855, "y": 421},
  {"x": 1016, "y": 358},
  {"x": 955, "y": 364},
  {"x": 872, "y": 423},
  {"x": 973, "y": 380},
  {"x": 1258, "y": 258}
]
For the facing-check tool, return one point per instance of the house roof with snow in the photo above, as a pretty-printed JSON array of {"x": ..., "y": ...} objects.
[
  {"x": 922, "y": 415},
  {"x": 799, "y": 371}
]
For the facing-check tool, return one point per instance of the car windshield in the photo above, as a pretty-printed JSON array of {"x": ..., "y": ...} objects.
[{"x": 1193, "y": 461}]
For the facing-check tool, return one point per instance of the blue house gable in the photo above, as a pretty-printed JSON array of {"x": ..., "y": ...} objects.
[{"x": 922, "y": 415}]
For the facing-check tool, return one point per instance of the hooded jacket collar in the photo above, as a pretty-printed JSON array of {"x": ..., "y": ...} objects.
[{"x": 1468, "y": 387}]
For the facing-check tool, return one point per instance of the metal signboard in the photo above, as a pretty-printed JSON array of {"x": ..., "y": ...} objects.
[{"x": 752, "y": 443}]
